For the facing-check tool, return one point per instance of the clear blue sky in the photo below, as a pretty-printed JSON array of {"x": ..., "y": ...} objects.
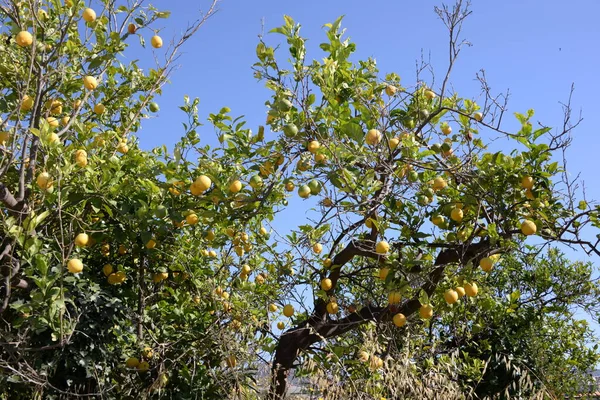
[
  {"x": 517, "y": 43},
  {"x": 537, "y": 49}
]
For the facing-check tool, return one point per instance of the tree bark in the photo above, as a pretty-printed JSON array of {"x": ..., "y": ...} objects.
[{"x": 14, "y": 206}]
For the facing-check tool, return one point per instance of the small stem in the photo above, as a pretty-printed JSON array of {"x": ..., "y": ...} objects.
[{"x": 141, "y": 298}]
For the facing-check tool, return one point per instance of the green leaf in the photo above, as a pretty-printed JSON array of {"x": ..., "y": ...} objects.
[
  {"x": 41, "y": 264},
  {"x": 514, "y": 296},
  {"x": 289, "y": 21},
  {"x": 336, "y": 25},
  {"x": 539, "y": 132},
  {"x": 95, "y": 63},
  {"x": 526, "y": 129},
  {"x": 281, "y": 30},
  {"x": 39, "y": 218},
  {"x": 522, "y": 118},
  {"x": 524, "y": 140},
  {"x": 353, "y": 131}
]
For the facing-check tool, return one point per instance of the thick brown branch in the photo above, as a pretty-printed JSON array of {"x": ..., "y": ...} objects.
[
  {"x": 13, "y": 205},
  {"x": 7, "y": 197},
  {"x": 8, "y": 272},
  {"x": 318, "y": 327}
]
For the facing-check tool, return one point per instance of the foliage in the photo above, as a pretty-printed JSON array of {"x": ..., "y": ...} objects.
[
  {"x": 529, "y": 318},
  {"x": 149, "y": 288},
  {"x": 413, "y": 164}
]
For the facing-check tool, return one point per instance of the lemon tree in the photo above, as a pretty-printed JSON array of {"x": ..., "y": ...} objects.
[
  {"x": 415, "y": 206},
  {"x": 110, "y": 261},
  {"x": 133, "y": 274}
]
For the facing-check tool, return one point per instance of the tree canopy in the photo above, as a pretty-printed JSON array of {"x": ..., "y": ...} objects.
[{"x": 437, "y": 260}]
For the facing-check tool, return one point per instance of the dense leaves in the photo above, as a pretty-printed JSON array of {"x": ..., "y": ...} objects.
[{"x": 142, "y": 312}]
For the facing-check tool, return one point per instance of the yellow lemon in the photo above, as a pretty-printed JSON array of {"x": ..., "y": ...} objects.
[
  {"x": 451, "y": 296},
  {"x": 326, "y": 284},
  {"x": 24, "y": 38},
  {"x": 75, "y": 266},
  {"x": 156, "y": 42},
  {"x": 89, "y": 15},
  {"x": 288, "y": 310},
  {"x": 399, "y": 320},
  {"x": 382, "y": 247}
]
